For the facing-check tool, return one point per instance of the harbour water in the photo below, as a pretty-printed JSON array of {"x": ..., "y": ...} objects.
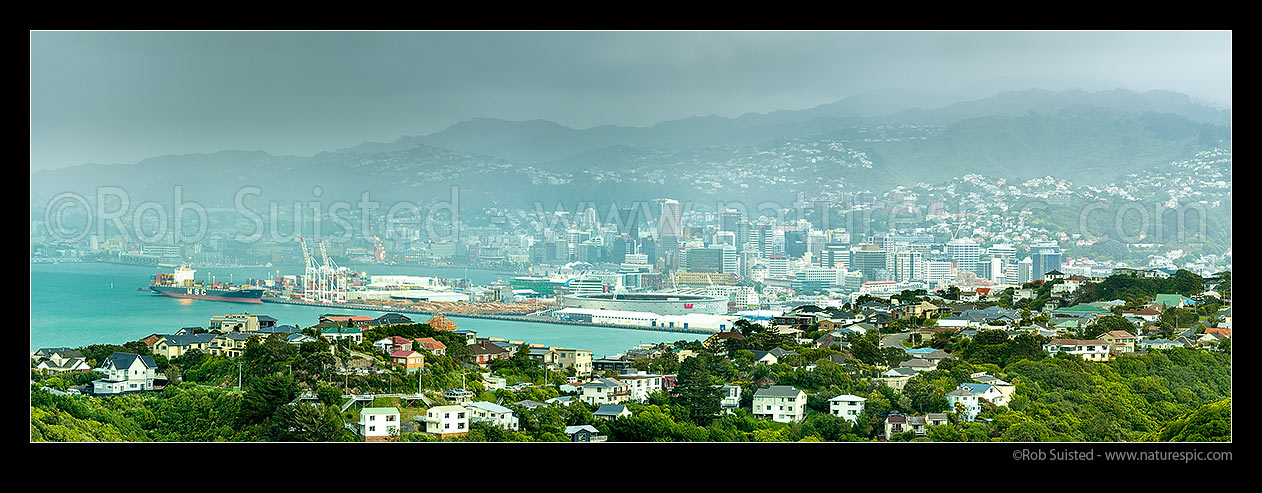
[{"x": 76, "y": 304}]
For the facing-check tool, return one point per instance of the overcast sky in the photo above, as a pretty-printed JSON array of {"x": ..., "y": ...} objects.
[{"x": 120, "y": 97}]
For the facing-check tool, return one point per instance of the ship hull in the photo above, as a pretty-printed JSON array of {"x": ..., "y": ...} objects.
[{"x": 236, "y": 296}]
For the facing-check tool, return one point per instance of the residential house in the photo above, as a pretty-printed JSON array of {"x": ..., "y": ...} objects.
[
  {"x": 65, "y": 365},
  {"x": 604, "y": 391},
  {"x": 780, "y": 403},
  {"x": 988, "y": 392},
  {"x": 411, "y": 361},
  {"x": 919, "y": 424},
  {"x": 1092, "y": 350},
  {"x": 730, "y": 398},
  {"x": 578, "y": 359},
  {"x": 483, "y": 353},
  {"x": 1148, "y": 344},
  {"x": 446, "y": 421},
  {"x": 1170, "y": 300},
  {"x": 353, "y": 334},
  {"x": 379, "y": 422},
  {"x": 937, "y": 419},
  {"x": 965, "y": 396},
  {"x": 641, "y": 383},
  {"x": 125, "y": 372},
  {"x": 299, "y": 338},
  {"x": 611, "y": 411},
  {"x": 894, "y": 424},
  {"x": 584, "y": 433},
  {"x": 896, "y": 378},
  {"x": 1148, "y": 314},
  {"x": 393, "y": 343},
  {"x": 1120, "y": 341},
  {"x": 918, "y": 365},
  {"x": 390, "y": 319},
  {"x": 1005, "y": 388},
  {"x": 49, "y": 352},
  {"x": 434, "y": 346},
  {"x": 846, "y": 406},
  {"x": 493, "y": 414},
  {"x": 564, "y": 400},
  {"x": 231, "y": 344},
  {"x": 529, "y": 404},
  {"x": 174, "y": 346},
  {"x": 771, "y": 357},
  {"x": 357, "y": 321}
]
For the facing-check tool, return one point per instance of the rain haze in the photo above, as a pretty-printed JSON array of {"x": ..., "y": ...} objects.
[{"x": 120, "y": 97}]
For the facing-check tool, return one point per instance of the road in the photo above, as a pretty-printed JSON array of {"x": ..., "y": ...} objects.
[{"x": 895, "y": 340}]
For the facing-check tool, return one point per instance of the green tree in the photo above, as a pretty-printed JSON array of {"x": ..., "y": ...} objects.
[{"x": 695, "y": 393}]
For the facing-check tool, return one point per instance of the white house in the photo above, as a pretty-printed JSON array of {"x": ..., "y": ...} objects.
[
  {"x": 1093, "y": 350},
  {"x": 780, "y": 403},
  {"x": 446, "y": 420},
  {"x": 731, "y": 398},
  {"x": 641, "y": 383},
  {"x": 125, "y": 372},
  {"x": 379, "y": 421},
  {"x": 846, "y": 406},
  {"x": 604, "y": 391},
  {"x": 966, "y": 398},
  {"x": 970, "y": 396},
  {"x": 492, "y": 413}
]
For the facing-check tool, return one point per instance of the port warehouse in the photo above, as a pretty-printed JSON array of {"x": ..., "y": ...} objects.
[{"x": 659, "y": 303}]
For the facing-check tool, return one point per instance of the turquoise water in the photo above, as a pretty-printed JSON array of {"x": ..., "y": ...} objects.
[{"x": 74, "y": 305}]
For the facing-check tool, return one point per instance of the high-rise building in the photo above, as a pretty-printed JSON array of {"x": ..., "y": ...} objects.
[
  {"x": 909, "y": 265},
  {"x": 795, "y": 243},
  {"x": 937, "y": 271},
  {"x": 670, "y": 222},
  {"x": 965, "y": 252},
  {"x": 725, "y": 238},
  {"x": 729, "y": 220},
  {"x": 869, "y": 260},
  {"x": 1045, "y": 257},
  {"x": 629, "y": 221},
  {"x": 731, "y": 260},
  {"x": 1025, "y": 270},
  {"x": 705, "y": 259},
  {"x": 835, "y": 256},
  {"x": 777, "y": 266}
]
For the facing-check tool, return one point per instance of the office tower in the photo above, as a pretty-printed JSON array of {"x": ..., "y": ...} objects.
[
  {"x": 629, "y": 221},
  {"x": 670, "y": 221},
  {"x": 777, "y": 265},
  {"x": 795, "y": 243},
  {"x": 727, "y": 238},
  {"x": 835, "y": 256},
  {"x": 909, "y": 265},
  {"x": 964, "y": 251},
  {"x": 937, "y": 271},
  {"x": 704, "y": 259},
  {"x": 837, "y": 237},
  {"x": 1044, "y": 257},
  {"x": 731, "y": 260},
  {"x": 869, "y": 260},
  {"x": 1025, "y": 270},
  {"x": 1003, "y": 251},
  {"x": 729, "y": 220}
]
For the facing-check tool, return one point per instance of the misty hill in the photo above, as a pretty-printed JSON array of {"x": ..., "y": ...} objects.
[
  {"x": 541, "y": 140},
  {"x": 1091, "y": 141}
]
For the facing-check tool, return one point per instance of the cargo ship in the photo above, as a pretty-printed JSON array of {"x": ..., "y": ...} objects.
[{"x": 181, "y": 284}]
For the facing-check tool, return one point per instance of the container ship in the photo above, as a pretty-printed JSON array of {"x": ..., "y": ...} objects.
[{"x": 181, "y": 284}]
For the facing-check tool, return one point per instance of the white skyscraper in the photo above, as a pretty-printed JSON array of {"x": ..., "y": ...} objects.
[{"x": 964, "y": 252}]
